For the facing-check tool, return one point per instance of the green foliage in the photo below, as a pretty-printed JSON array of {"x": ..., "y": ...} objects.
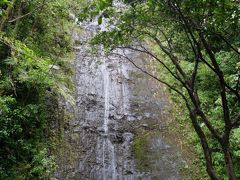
[
  {"x": 3, "y": 4},
  {"x": 176, "y": 29},
  {"x": 35, "y": 52},
  {"x": 43, "y": 163},
  {"x": 140, "y": 148},
  {"x": 22, "y": 138},
  {"x": 235, "y": 142}
]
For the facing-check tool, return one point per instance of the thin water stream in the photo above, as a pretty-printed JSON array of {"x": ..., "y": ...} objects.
[{"x": 115, "y": 102}]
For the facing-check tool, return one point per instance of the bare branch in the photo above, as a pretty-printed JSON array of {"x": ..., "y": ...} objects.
[
  {"x": 20, "y": 17},
  {"x": 156, "y": 58},
  {"x": 236, "y": 121},
  {"x": 174, "y": 60},
  {"x": 154, "y": 77},
  {"x": 227, "y": 42},
  {"x": 221, "y": 81}
]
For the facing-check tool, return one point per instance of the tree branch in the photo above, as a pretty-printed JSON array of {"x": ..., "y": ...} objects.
[
  {"x": 227, "y": 42},
  {"x": 20, "y": 17},
  {"x": 154, "y": 77},
  {"x": 156, "y": 58},
  {"x": 236, "y": 122}
]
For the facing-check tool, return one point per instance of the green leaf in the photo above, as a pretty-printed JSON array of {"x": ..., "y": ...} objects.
[
  {"x": 11, "y": 61},
  {"x": 100, "y": 20}
]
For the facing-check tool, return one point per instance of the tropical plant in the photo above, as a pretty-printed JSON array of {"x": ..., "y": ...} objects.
[{"x": 197, "y": 45}]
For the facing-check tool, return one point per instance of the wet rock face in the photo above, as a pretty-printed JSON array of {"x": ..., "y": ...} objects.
[{"x": 113, "y": 100}]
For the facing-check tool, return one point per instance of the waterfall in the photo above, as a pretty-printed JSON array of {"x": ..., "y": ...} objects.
[
  {"x": 106, "y": 83},
  {"x": 108, "y": 153},
  {"x": 113, "y": 102}
]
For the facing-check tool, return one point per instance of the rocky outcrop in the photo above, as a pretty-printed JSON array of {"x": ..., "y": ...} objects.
[{"x": 116, "y": 104}]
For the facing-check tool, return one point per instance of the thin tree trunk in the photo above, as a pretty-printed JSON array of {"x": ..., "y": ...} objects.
[
  {"x": 229, "y": 163},
  {"x": 207, "y": 153}
]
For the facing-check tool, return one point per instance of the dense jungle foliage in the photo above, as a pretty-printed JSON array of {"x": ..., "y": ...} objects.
[
  {"x": 35, "y": 71},
  {"x": 196, "y": 44}
]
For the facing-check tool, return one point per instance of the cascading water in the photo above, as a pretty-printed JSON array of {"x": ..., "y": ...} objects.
[
  {"x": 107, "y": 150},
  {"x": 114, "y": 101},
  {"x": 106, "y": 97}
]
